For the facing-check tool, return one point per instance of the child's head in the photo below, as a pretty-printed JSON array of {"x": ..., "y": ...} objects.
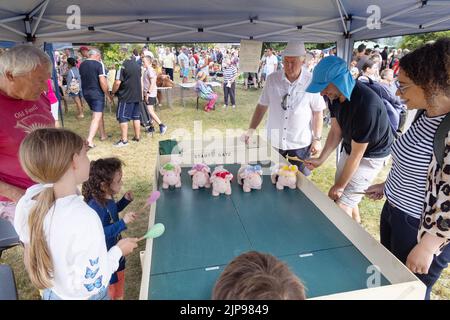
[
  {"x": 49, "y": 156},
  {"x": 72, "y": 62},
  {"x": 105, "y": 180},
  {"x": 46, "y": 155},
  {"x": 258, "y": 276}
]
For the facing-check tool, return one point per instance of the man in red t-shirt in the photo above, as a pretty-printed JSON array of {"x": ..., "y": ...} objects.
[{"x": 24, "y": 71}]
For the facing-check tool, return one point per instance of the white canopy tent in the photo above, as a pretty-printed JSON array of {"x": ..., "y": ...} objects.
[{"x": 340, "y": 21}]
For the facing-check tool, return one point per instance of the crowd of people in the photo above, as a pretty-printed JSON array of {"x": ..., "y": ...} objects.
[{"x": 72, "y": 246}]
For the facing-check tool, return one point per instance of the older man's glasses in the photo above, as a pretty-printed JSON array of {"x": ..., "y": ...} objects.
[
  {"x": 402, "y": 88},
  {"x": 284, "y": 105}
]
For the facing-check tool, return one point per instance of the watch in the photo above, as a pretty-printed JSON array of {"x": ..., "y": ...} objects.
[{"x": 317, "y": 138}]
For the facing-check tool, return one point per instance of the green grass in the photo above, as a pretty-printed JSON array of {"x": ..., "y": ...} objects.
[{"x": 138, "y": 172}]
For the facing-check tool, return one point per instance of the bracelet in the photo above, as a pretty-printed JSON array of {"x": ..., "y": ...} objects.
[{"x": 317, "y": 138}]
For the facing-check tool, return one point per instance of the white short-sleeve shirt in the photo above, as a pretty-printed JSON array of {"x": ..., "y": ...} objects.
[
  {"x": 291, "y": 128},
  {"x": 270, "y": 64}
]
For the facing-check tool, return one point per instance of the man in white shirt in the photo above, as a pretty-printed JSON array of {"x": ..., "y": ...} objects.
[
  {"x": 294, "y": 125},
  {"x": 183, "y": 61},
  {"x": 168, "y": 63},
  {"x": 271, "y": 62}
]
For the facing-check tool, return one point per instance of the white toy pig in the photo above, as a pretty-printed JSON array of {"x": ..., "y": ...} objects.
[
  {"x": 200, "y": 176},
  {"x": 221, "y": 181},
  {"x": 171, "y": 175},
  {"x": 287, "y": 176},
  {"x": 250, "y": 177}
]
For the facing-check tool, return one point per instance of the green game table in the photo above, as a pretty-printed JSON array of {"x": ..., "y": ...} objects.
[{"x": 204, "y": 233}]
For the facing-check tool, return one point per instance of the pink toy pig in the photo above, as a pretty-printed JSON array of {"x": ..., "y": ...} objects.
[
  {"x": 200, "y": 176},
  {"x": 220, "y": 180},
  {"x": 250, "y": 177},
  {"x": 287, "y": 177},
  {"x": 171, "y": 175}
]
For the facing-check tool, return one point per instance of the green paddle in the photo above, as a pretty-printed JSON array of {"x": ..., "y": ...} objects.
[{"x": 154, "y": 232}]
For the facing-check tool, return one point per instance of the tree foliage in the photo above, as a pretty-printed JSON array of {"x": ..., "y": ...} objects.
[
  {"x": 279, "y": 46},
  {"x": 113, "y": 54},
  {"x": 416, "y": 40}
]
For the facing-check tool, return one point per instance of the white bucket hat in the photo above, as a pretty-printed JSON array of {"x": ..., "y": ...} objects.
[{"x": 294, "y": 48}]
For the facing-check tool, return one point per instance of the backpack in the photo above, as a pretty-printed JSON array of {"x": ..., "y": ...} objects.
[
  {"x": 395, "y": 109},
  {"x": 74, "y": 85},
  {"x": 439, "y": 137}
]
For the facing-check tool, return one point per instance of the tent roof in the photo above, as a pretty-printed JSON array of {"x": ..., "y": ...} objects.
[{"x": 217, "y": 20}]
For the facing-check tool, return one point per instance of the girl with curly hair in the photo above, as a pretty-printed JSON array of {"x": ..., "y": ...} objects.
[{"x": 105, "y": 181}]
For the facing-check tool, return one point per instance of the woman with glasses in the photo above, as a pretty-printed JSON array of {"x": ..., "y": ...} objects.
[{"x": 415, "y": 218}]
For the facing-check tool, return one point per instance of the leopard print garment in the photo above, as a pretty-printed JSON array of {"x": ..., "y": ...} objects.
[{"x": 436, "y": 216}]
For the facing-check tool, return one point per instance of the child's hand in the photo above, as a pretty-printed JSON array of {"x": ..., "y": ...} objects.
[
  {"x": 129, "y": 195},
  {"x": 127, "y": 245},
  {"x": 129, "y": 217}
]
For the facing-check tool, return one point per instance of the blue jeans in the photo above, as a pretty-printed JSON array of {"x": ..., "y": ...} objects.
[
  {"x": 398, "y": 233},
  {"x": 48, "y": 294},
  {"x": 303, "y": 153}
]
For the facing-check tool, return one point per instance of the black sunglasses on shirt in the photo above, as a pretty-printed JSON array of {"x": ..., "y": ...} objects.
[{"x": 284, "y": 101}]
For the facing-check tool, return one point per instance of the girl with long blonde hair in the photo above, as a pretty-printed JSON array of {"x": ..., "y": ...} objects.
[{"x": 65, "y": 251}]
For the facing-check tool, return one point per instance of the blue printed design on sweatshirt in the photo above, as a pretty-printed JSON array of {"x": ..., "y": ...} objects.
[
  {"x": 96, "y": 284},
  {"x": 90, "y": 273},
  {"x": 93, "y": 262}
]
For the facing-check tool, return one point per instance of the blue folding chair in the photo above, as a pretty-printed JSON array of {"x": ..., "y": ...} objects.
[{"x": 8, "y": 289}]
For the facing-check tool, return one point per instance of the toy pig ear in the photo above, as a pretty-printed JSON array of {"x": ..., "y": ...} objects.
[
  {"x": 162, "y": 171},
  {"x": 229, "y": 176},
  {"x": 191, "y": 172}
]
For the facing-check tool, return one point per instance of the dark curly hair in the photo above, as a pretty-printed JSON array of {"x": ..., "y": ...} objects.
[
  {"x": 429, "y": 67},
  {"x": 101, "y": 176}
]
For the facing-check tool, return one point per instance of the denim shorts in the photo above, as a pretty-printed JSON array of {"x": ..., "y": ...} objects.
[
  {"x": 362, "y": 178},
  {"x": 96, "y": 105},
  {"x": 184, "y": 72},
  {"x": 151, "y": 101},
  {"x": 48, "y": 294},
  {"x": 128, "y": 111},
  {"x": 73, "y": 95}
]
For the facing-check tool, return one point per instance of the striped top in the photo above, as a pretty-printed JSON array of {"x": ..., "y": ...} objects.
[
  {"x": 229, "y": 73},
  {"x": 411, "y": 157}
]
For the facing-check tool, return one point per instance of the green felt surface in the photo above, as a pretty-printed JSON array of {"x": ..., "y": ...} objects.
[
  {"x": 201, "y": 230},
  {"x": 324, "y": 272},
  {"x": 195, "y": 284},
  {"x": 333, "y": 271},
  {"x": 206, "y": 231},
  {"x": 285, "y": 221}
]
